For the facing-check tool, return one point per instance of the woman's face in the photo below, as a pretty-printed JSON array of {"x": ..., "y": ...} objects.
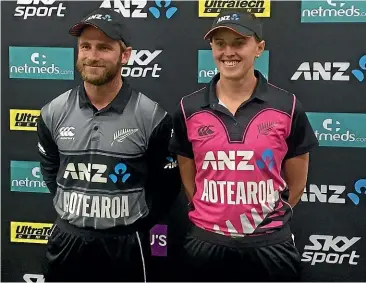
[{"x": 234, "y": 54}]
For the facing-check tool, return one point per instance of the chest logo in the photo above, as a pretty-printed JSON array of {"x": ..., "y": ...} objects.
[
  {"x": 67, "y": 133},
  {"x": 265, "y": 128},
  {"x": 205, "y": 130},
  {"x": 121, "y": 135}
]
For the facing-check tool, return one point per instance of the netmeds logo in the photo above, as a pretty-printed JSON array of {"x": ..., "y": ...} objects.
[
  {"x": 44, "y": 63},
  {"x": 333, "y": 11},
  {"x": 207, "y": 68},
  {"x": 339, "y": 129},
  {"x": 26, "y": 177}
]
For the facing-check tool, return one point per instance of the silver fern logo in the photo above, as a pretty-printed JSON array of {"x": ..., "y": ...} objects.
[
  {"x": 121, "y": 135},
  {"x": 265, "y": 127}
]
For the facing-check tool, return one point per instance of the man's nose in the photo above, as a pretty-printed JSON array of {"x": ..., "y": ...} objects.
[{"x": 94, "y": 53}]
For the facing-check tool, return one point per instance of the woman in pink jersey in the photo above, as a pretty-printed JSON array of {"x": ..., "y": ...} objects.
[{"x": 243, "y": 151}]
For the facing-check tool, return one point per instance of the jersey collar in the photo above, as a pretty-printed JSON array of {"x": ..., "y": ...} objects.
[
  {"x": 118, "y": 104},
  {"x": 260, "y": 91}
]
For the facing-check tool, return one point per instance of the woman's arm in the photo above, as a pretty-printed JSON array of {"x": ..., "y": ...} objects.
[
  {"x": 295, "y": 174},
  {"x": 187, "y": 172}
]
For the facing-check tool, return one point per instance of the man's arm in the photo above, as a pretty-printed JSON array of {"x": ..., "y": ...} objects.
[
  {"x": 163, "y": 183},
  {"x": 49, "y": 155},
  {"x": 180, "y": 145},
  {"x": 295, "y": 166}
]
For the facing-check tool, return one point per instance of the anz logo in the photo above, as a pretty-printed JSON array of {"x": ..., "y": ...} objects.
[
  {"x": 120, "y": 173},
  {"x": 239, "y": 160},
  {"x": 267, "y": 160},
  {"x": 171, "y": 163},
  {"x": 95, "y": 173}
]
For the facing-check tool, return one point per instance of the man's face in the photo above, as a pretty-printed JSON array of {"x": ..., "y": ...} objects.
[
  {"x": 234, "y": 54},
  {"x": 100, "y": 58}
]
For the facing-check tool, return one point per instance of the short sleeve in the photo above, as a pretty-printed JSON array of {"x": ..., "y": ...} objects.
[
  {"x": 179, "y": 143},
  {"x": 302, "y": 138}
]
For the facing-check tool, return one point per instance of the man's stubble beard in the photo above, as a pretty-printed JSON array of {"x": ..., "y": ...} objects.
[{"x": 108, "y": 75}]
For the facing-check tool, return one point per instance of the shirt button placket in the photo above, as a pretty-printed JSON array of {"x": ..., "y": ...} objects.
[{"x": 95, "y": 130}]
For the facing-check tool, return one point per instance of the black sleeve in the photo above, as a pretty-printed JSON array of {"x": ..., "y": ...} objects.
[
  {"x": 179, "y": 143},
  {"x": 163, "y": 183},
  {"x": 302, "y": 138},
  {"x": 49, "y": 155}
]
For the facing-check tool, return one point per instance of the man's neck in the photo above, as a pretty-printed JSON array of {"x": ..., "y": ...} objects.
[
  {"x": 101, "y": 96},
  {"x": 236, "y": 91}
]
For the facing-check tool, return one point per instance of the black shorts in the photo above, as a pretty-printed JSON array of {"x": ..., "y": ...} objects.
[
  {"x": 80, "y": 255},
  {"x": 213, "y": 257}
]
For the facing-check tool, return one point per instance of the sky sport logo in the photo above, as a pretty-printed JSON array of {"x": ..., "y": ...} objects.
[
  {"x": 43, "y": 63},
  {"x": 23, "y": 120},
  {"x": 211, "y": 8},
  {"x": 142, "y": 64},
  {"x": 207, "y": 68},
  {"x": 331, "y": 249},
  {"x": 30, "y": 232},
  {"x": 333, "y": 11},
  {"x": 39, "y": 8},
  {"x": 339, "y": 129}
]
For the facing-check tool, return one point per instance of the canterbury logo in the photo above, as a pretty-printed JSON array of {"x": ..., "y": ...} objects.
[
  {"x": 120, "y": 135},
  {"x": 67, "y": 132},
  {"x": 265, "y": 127},
  {"x": 205, "y": 130}
]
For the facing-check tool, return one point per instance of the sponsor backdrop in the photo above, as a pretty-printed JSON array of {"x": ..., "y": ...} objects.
[{"x": 314, "y": 49}]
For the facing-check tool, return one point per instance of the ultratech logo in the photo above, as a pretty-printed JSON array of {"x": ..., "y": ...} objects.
[
  {"x": 329, "y": 71},
  {"x": 38, "y": 8},
  {"x": 29, "y": 232},
  {"x": 141, "y": 64},
  {"x": 23, "y": 120},
  {"x": 330, "y": 249},
  {"x": 324, "y": 194},
  {"x": 211, "y": 8}
]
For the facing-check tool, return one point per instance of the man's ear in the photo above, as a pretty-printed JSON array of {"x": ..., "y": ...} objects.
[{"x": 126, "y": 54}]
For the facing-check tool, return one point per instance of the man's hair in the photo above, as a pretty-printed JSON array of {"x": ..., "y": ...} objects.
[{"x": 122, "y": 45}]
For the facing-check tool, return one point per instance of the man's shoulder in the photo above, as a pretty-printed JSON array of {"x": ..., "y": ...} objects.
[
  {"x": 59, "y": 103},
  {"x": 147, "y": 106}
]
